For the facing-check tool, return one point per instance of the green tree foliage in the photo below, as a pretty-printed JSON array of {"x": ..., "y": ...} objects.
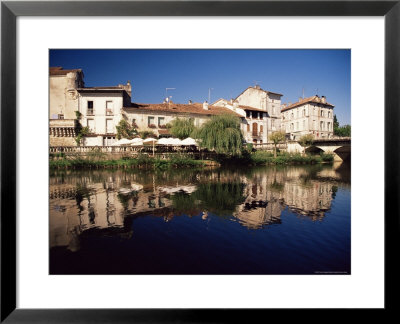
[
  {"x": 335, "y": 122},
  {"x": 82, "y": 132},
  {"x": 306, "y": 140},
  {"x": 181, "y": 128},
  {"x": 124, "y": 130},
  {"x": 78, "y": 115},
  {"x": 344, "y": 131},
  {"x": 221, "y": 134},
  {"x": 146, "y": 134},
  {"x": 79, "y": 129},
  {"x": 276, "y": 138}
]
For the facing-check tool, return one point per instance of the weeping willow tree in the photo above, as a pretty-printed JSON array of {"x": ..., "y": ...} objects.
[
  {"x": 221, "y": 134},
  {"x": 181, "y": 128}
]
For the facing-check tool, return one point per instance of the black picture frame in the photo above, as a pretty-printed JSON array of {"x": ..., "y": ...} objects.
[{"x": 10, "y": 10}]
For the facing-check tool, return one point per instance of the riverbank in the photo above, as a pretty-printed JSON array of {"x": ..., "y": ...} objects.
[
  {"x": 182, "y": 161},
  {"x": 142, "y": 161},
  {"x": 266, "y": 158}
]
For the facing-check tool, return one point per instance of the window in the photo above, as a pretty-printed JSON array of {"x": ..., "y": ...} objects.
[
  {"x": 60, "y": 116},
  {"x": 90, "y": 108},
  {"x": 261, "y": 128},
  {"x": 109, "y": 126},
  {"x": 322, "y": 113},
  {"x": 161, "y": 122},
  {"x": 150, "y": 122},
  {"x": 109, "y": 140},
  {"x": 90, "y": 125},
  {"x": 321, "y": 125},
  {"x": 109, "y": 108},
  {"x": 247, "y": 114},
  {"x": 329, "y": 126},
  {"x": 329, "y": 114},
  {"x": 304, "y": 112}
]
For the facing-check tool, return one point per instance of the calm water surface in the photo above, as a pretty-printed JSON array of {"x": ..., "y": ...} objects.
[{"x": 264, "y": 220}]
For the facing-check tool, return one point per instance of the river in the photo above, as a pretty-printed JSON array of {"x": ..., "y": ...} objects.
[{"x": 251, "y": 220}]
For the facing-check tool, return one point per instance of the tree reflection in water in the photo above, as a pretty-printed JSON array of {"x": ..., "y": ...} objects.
[{"x": 110, "y": 203}]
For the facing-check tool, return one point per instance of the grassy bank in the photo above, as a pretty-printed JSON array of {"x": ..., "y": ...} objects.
[
  {"x": 142, "y": 161},
  {"x": 183, "y": 161},
  {"x": 264, "y": 158}
]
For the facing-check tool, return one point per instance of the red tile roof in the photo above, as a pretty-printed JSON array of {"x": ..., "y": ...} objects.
[
  {"x": 313, "y": 99},
  {"x": 195, "y": 108},
  {"x": 58, "y": 70}
]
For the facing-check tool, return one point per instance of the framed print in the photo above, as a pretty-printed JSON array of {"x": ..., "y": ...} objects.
[{"x": 116, "y": 242}]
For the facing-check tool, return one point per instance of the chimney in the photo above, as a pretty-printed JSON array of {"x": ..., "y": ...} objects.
[
  {"x": 205, "y": 105},
  {"x": 190, "y": 102},
  {"x": 257, "y": 87},
  {"x": 129, "y": 88},
  {"x": 323, "y": 99},
  {"x": 235, "y": 105}
]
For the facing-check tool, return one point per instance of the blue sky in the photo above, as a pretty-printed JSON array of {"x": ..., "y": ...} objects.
[{"x": 227, "y": 72}]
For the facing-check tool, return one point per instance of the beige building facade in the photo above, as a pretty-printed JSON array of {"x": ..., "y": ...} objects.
[
  {"x": 312, "y": 115},
  {"x": 260, "y": 111},
  {"x": 267, "y": 101},
  {"x": 101, "y": 110},
  {"x": 253, "y": 121},
  {"x": 155, "y": 117},
  {"x": 63, "y": 95},
  {"x": 63, "y": 102}
]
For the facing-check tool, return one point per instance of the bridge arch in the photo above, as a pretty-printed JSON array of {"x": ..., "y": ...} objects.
[
  {"x": 343, "y": 152},
  {"x": 313, "y": 149}
]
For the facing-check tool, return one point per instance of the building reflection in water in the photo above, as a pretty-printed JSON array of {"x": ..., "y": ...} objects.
[{"x": 104, "y": 203}]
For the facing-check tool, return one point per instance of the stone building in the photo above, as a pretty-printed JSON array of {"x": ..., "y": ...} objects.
[
  {"x": 155, "y": 117},
  {"x": 63, "y": 94},
  {"x": 267, "y": 101},
  {"x": 63, "y": 99},
  {"x": 253, "y": 121},
  {"x": 101, "y": 110},
  {"x": 312, "y": 115},
  {"x": 260, "y": 111}
]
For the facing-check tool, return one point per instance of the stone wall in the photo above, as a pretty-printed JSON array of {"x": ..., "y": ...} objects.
[{"x": 62, "y": 141}]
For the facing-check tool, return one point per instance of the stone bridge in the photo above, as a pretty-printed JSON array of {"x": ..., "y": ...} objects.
[{"x": 340, "y": 147}]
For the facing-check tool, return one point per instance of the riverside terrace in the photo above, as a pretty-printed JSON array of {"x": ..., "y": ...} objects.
[{"x": 340, "y": 147}]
